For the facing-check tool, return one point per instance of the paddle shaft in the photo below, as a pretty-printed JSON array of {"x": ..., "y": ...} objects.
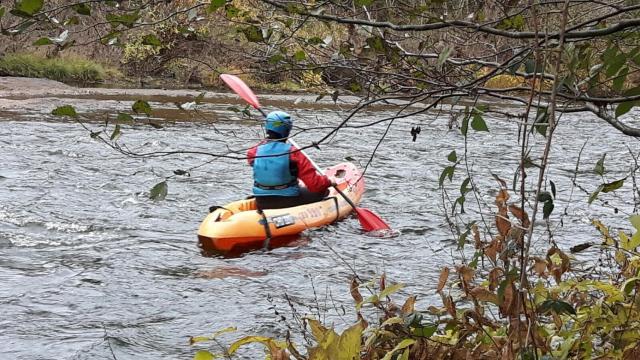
[{"x": 293, "y": 142}]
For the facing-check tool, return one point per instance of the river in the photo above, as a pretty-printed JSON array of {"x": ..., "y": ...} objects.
[{"x": 90, "y": 268}]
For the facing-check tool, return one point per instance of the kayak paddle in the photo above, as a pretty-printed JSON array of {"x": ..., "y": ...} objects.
[{"x": 368, "y": 219}]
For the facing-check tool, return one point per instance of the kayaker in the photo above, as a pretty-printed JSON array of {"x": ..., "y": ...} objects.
[{"x": 275, "y": 178}]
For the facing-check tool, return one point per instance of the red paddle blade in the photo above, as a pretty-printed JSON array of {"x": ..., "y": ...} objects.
[
  {"x": 370, "y": 221},
  {"x": 239, "y": 87}
]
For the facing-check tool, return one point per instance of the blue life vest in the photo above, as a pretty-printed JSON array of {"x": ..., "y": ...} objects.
[{"x": 272, "y": 175}]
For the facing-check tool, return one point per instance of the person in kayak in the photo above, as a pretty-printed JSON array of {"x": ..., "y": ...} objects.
[{"x": 275, "y": 178}]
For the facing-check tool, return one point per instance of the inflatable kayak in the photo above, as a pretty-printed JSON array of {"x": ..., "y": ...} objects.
[{"x": 238, "y": 226}]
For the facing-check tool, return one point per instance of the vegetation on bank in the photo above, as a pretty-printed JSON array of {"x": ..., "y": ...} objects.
[{"x": 73, "y": 69}]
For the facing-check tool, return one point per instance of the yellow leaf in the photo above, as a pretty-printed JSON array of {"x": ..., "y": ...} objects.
[
  {"x": 635, "y": 221},
  {"x": 390, "y": 290},
  {"x": 318, "y": 331},
  {"x": 269, "y": 342},
  {"x": 203, "y": 355},
  {"x": 391, "y": 321},
  {"x": 348, "y": 345},
  {"x": 402, "y": 345}
]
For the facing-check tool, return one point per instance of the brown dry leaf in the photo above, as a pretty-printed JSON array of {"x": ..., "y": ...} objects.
[
  {"x": 507, "y": 352},
  {"x": 482, "y": 294},
  {"x": 409, "y": 305},
  {"x": 364, "y": 322},
  {"x": 632, "y": 354},
  {"x": 280, "y": 354},
  {"x": 444, "y": 275},
  {"x": 509, "y": 297},
  {"x": 493, "y": 249},
  {"x": 540, "y": 266},
  {"x": 383, "y": 281},
  {"x": 517, "y": 235},
  {"x": 466, "y": 273},
  {"x": 450, "y": 305},
  {"x": 494, "y": 278},
  {"x": 502, "y": 222},
  {"x": 355, "y": 293},
  {"x": 557, "y": 274},
  {"x": 476, "y": 236},
  {"x": 501, "y": 198},
  {"x": 521, "y": 215}
]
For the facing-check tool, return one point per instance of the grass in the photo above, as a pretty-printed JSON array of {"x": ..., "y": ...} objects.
[{"x": 68, "y": 69}]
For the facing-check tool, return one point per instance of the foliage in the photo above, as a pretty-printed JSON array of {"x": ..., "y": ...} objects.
[{"x": 70, "y": 70}]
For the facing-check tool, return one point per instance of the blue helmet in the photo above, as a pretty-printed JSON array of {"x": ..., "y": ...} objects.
[{"x": 279, "y": 122}]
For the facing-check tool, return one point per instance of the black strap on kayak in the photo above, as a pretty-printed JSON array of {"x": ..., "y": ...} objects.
[
  {"x": 335, "y": 201},
  {"x": 267, "y": 230}
]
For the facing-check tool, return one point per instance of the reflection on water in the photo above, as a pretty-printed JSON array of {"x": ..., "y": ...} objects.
[{"x": 84, "y": 252}]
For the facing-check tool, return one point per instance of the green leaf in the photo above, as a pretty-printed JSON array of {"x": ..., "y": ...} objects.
[
  {"x": 141, "y": 106},
  {"x": 2, "y": 11},
  {"x": 547, "y": 209},
  {"x": 159, "y": 191},
  {"x": 452, "y": 156},
  {"x": 299, "y": 55},
  {"x": 465, "y": 125},
  {"x": 553, "y": 188},
  {"x": 116, "y": 133},
  {"x": 594, "y": 195},
  {"x": 376, "y": 43},
  {"x": 151, "y": 40},
  {"x": 71, "y": 21},
  {"x": 463, "y": 239},
  {"x": 27, "y": 8},
  {"x": 444, "y": 55},
  {"x": 620, "y": 78},
  {"x": 215, "y": 5},
  {"x": 478, "y": 123},
  {"x": 125, "y": 118},
  {"x": 557, "y": 306},
  {"x": 612, "y": 186},
  {"x": 624, "y": 107},
  {"x": 544, "y": 196},
  {"x": 203, "y": 355},
  {"x": 127, "y": 20},
  {"x": 425, "y": 331},
  {"x": 82, "y": 9},
  {"x": 390, "y": 290},
  {"x": 599, "y": 168},
  {"x": 463, "y": 187},
  {"x": 460, "y": 200},
  {"x": 629, "y": 285},
  {"x": 253, "y": 33},
  {"x": 542, "y": 121},
  {"x": 635, "y": 221},
  {"x": 448, "y": 171},
  {"x": 42, "y": 41},
  {"x": 66, "y": 110},
  {"x": 232, "y": 11}
]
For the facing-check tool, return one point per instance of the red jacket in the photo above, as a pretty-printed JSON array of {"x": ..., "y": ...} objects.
[{"x": 306, "y": 172}]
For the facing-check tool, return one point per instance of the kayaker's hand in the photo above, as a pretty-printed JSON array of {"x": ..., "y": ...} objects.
[{"x": 334, "y": 183}]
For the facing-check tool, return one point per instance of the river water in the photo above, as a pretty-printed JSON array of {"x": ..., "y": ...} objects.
[{"x": 90, "y": 268}]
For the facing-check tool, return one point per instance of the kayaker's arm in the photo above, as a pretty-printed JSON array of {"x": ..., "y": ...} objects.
[{"x": 308, "y": 174}]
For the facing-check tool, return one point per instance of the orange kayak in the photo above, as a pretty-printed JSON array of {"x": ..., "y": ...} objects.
[{"x": 237, "y": 226}]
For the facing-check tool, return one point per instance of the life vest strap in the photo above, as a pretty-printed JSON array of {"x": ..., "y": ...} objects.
[{"x": 275, "y": 187}]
